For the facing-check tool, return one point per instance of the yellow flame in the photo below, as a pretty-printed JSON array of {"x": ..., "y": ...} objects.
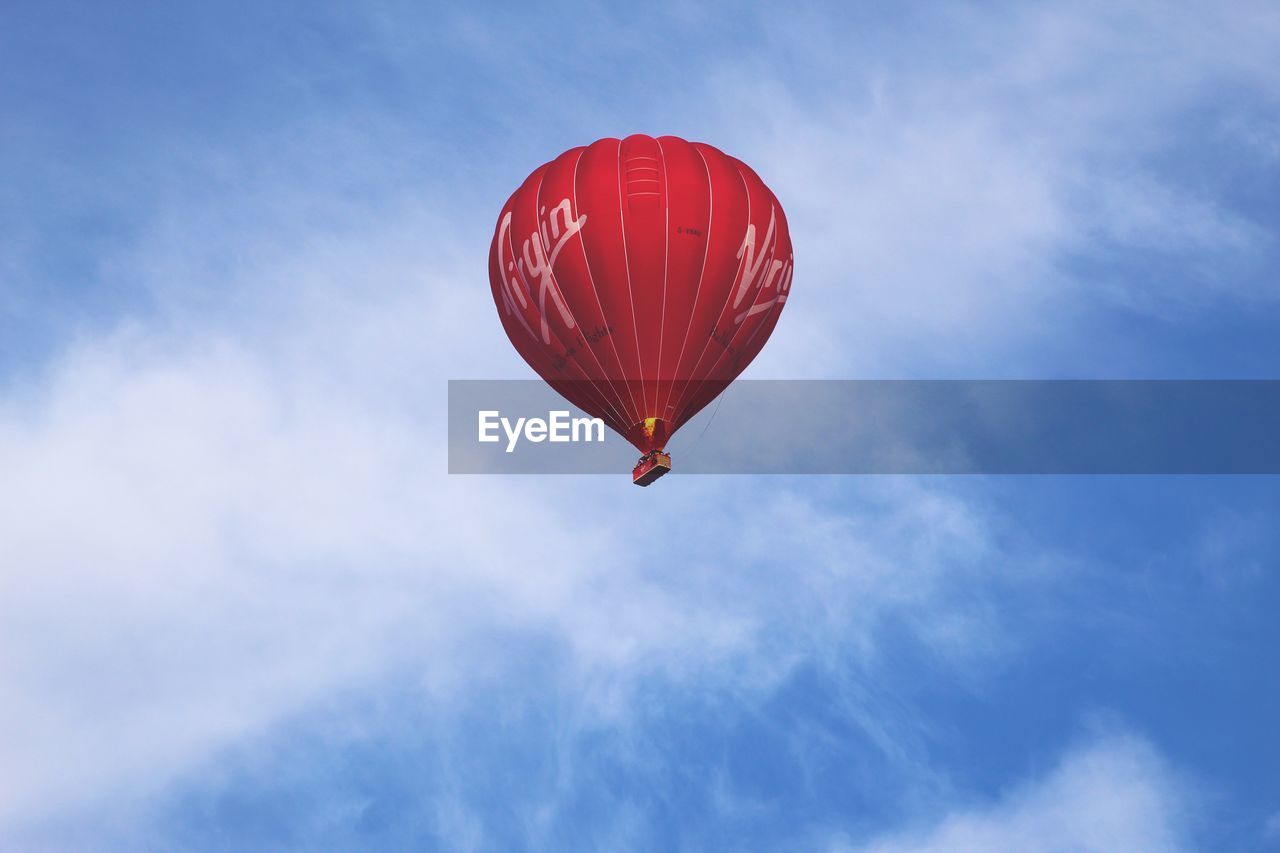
[{"x": 650, "y": 426}]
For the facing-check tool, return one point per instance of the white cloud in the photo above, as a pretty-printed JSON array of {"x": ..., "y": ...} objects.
[
  {"x": 1113, "y": 794},
  {"x": 205, "y": 531},
  {"x": 1271, "y": 830},
  {"x": 941, "y": 177}
]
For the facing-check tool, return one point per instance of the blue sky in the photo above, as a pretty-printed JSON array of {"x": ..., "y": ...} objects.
[{"x": 242, "y": 248}]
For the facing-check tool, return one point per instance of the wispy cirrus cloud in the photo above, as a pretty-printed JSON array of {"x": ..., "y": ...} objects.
[
  {"x": 987, "y": 182},
  {"x": 1115, "y": 793},
  {"x": 209, "y": 526},
  {"x": 202, "y": 540}
]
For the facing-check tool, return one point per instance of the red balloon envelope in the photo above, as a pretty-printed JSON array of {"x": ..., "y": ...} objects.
[{"x": 639, "y": 277}]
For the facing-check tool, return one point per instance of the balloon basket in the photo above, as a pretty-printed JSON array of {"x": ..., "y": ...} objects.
[{"x": 650, "y": 467}]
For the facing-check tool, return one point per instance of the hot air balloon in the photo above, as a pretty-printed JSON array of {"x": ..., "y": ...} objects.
[{"x": 639, "y": 277}]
